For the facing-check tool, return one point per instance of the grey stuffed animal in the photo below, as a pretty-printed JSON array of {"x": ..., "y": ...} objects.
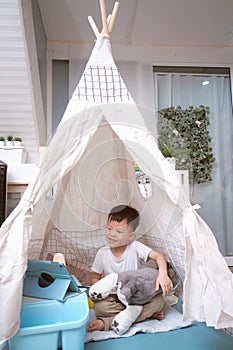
[
  {"x": 133, "y": 288},
  {"x": 138, "y": 286}
]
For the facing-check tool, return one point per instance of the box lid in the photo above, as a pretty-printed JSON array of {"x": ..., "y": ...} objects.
[{"x": 49, "y": 280}]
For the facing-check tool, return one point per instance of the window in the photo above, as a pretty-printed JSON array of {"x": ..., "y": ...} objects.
[
  {"x": 190, "y": 86},
  {"x": 60, "y": 90}
]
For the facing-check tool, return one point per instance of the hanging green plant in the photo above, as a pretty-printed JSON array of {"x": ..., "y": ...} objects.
[{"x": 183, "y": 134}]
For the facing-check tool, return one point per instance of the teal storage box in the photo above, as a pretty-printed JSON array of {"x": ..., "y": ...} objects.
[{"x": 48, "y": 324}]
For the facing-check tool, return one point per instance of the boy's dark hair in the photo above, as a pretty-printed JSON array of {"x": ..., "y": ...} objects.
[{"x": 121, "y": 212}]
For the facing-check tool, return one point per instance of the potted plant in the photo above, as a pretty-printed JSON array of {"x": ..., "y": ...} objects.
[
  {"x": 2, "y": 141},
  {"x": 183, "y": 134},
  {"x": 9, "y": 141},
  {"x": 18, "y": 141}
]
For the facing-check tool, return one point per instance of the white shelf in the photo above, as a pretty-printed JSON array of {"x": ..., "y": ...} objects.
[
  {"x": 12, "y": 155},
  {"x": 20, "y": 173}
]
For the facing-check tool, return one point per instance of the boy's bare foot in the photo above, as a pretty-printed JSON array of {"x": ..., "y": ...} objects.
[
  {"x": 159, "y": 315},
  {"x": 96, "y": 325}
]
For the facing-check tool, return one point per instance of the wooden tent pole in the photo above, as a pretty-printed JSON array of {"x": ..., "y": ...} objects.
[
  {"x": 113, "y": 17},
  {"x": 104, "y": 18},
  {"x": 93, "y": 25},
  {"x": 108, "y": 21}
]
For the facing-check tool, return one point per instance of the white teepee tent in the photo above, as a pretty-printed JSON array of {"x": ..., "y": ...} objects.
[{"x": 86, "y": 170}]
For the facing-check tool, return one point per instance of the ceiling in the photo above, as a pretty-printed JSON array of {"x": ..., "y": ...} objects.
[{"x": 166, "y": 23}]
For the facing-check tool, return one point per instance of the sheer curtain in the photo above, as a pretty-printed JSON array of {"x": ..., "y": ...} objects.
[{"x": 216, "y": 197}]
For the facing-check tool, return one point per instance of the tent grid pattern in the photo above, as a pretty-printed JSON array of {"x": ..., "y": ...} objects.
[{"x": 102, "y": 84}]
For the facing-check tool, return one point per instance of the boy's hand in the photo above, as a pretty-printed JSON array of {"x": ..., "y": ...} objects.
[{"x": 165, "y": 283}]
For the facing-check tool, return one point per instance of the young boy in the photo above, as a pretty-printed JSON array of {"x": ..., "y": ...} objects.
[{"x": 124, "y": 254}]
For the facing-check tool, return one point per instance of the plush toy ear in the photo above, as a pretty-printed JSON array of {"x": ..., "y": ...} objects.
[
  {"x": 101, "y": 289},
  {"x": 121, "y": 296}
]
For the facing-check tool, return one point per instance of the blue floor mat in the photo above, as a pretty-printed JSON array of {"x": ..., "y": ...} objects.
[{"x": 195, "y": 337}]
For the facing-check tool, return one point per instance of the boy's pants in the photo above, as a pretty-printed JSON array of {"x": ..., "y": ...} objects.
[{"x": 109, "y": 307}]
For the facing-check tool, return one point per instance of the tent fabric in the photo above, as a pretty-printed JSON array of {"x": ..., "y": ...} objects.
[{"x": 87, "y": 169}]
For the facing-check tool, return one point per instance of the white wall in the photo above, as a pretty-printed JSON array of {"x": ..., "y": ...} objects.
[{"x": 155, "y": 54}]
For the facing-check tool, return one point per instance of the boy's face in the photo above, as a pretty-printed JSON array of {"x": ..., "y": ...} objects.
[{"x": 118, "y": 233}]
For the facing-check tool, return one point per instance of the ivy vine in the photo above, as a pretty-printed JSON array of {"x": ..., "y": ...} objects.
[{"x": 183, "y": 134}]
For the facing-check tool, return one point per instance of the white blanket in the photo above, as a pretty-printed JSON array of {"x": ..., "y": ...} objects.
[{"x": 173, "y": 320}]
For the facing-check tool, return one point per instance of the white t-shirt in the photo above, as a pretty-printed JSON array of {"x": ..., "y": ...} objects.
[{"x": 105, "y": 262}]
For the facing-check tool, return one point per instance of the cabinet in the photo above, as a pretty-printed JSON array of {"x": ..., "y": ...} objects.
[
  {"x": 18, "y": 177},
  {"x": 15, "y": 192}
]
